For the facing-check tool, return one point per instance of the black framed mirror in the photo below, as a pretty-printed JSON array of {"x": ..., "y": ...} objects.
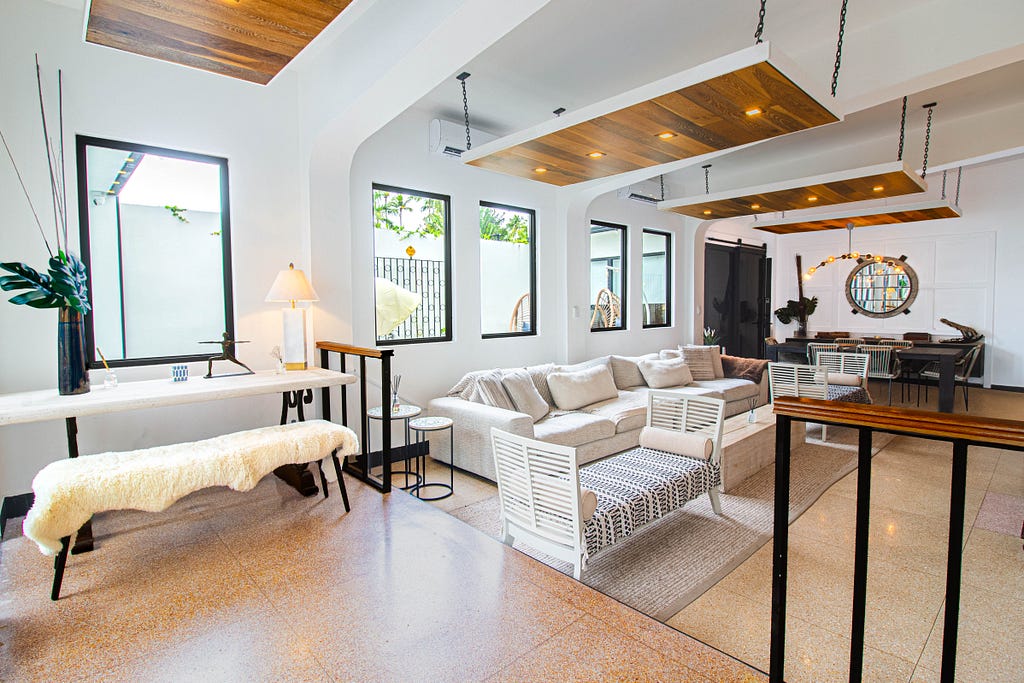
[
  {"x": 156, "y": 242},
  {"x": 881, "y": 287}
]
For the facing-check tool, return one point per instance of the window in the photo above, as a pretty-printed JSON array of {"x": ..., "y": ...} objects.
[
  {"x": 508, "y": 280},
  {"x": 412, "y": 265},
  {"x": 155, "y": 240},
  {"x": 607, "y": 276},
  {"x": 656, "y": 272}
]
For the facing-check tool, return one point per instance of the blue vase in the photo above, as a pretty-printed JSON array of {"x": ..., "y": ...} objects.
[{"x": 72, "y": 366}]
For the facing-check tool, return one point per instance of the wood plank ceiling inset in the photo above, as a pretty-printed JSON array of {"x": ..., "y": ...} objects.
[
  {"x": 705, "y": 108},
  {"x": 885, "y": 215},
  {"x": 872, "y": 182},
  {"x": 247, "y": 39}
]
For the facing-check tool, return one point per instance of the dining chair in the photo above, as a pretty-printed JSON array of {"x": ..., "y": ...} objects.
[
  {"x": 961, "y": 374},
  {"x": 814, "y": 348},
  {"x": 883, "y": 365},
  {"x": 848, "y": 341},
  {"x": 793, "y": 379}
]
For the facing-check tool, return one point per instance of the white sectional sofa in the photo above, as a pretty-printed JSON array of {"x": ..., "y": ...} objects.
[{"x": 595, "y": 430}]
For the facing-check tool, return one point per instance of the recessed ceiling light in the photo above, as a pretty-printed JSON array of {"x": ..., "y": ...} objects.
[
  {"x": 812, "y": 198},
  {"x": 755, "y": 206},
  {"x": 753, "y": 111},
  {"x": 596, "y": 155},
  {"x": 667, "y": 135},
  {"x": 540, "y": 169},
  {"x": 878, "y": 188},
  {"x": 707, "y": 212}
]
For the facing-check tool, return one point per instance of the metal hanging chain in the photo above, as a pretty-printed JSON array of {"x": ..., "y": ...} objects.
[
  {"x": 943, "y": 184},
  {"x": 839, "y": 48},
  {"x": 707, "y": 178},
  {"x": 903, "y": 128},
  {"x": 662, "y": 178},
  {"x": 927, "y": 138},
  {"x": 959, "y": 173},
  {"x": 760, "y": 23},
  {"x": 465, "y": 106}
]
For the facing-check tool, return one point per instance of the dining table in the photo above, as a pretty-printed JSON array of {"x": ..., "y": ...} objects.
[{"x": 946, "y": 357}]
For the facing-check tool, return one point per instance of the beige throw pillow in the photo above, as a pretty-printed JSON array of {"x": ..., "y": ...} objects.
[
  {"x": 672, "y": 372},
  {"x": 625, "y": 371},
  {"x": 716, "y": 357},
  {"x": 680, "y": 443},
  {"x": 492, "y": 392},
  {"x": 700, "y": 360},
  {"x": 665, "y": 354},
  {"x": 573, "y": 390},
  {"x": 524, "y": 394}
]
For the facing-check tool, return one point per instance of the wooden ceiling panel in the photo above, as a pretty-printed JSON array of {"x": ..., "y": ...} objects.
[
  {"x": 247, "y": 39},
  {"x": 873, "y": 182},
  {"x": 706, "y": 114},
  {"x": 908, "y": 213}
]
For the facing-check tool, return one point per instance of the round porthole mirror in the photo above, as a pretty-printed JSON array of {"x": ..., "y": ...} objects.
[{"x": 882, "y": 287}]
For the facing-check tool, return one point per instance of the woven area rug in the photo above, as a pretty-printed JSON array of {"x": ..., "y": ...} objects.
[{"x": 672, "y": 561}]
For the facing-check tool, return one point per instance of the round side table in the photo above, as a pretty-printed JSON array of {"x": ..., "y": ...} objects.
[
  {"x": 422, "y": 427},
  {"x": 405, "y": 413}
]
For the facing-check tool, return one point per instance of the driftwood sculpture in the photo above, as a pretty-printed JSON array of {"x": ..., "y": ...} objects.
[{"x": 969, "y": 333}]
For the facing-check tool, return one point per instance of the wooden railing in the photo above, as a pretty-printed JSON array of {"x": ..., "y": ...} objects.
[
  {"x": 961, "y": 430},
  {"x": 363, "y": 465}
]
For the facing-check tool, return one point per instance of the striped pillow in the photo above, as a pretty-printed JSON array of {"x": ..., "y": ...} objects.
[{"x": 700, "y": 362}]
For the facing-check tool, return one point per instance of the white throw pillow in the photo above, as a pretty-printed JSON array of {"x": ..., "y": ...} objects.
[
  {"x": 672, "y": 372},
  {"x": 625, "y": 371},
  {"x": 700, "y": 360},
  {"x": 524, "y": 394},
  {"x": 573, "y": 390},
  {"x": 665, "y": 354},
  {"x": 680, "y": 443},
  {"x": 492, "y": 392},
  {"x": 716, "y": 358}
]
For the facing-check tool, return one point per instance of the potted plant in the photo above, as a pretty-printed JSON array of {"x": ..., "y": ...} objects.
[
  {"x": 798, "y": 310},
  {"x": 64, "y": 284}
]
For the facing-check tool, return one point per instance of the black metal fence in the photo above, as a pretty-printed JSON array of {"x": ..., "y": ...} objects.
[{"x": 426, "y": 278}]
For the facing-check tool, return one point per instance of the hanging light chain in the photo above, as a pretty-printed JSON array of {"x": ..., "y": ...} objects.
[
  {"x": 943, "y": 184},
  {"x": 927, "y": 139},
  {"x": 903, "y": 128},
  {"x": 465, "y": 107},
  {"x": 760, "y": 23},
  {"x": 662, "y": 179},
  {"x": 839, "y": 48},
  {"x": 959, "y": 174},
  {"x": 707, "y": 178}
]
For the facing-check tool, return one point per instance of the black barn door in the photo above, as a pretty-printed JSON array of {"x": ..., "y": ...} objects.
[{"x": 736, "y": 280}]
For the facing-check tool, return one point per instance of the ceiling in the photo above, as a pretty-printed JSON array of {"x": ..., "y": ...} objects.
[{"x": 247, "y": 39}]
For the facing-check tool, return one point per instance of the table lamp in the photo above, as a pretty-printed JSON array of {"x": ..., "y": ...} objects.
[{"x": 290, "y": 286}]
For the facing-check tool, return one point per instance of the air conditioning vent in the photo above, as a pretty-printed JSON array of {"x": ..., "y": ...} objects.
[
  {"x": 647, "y": 191},
  {"x": 448, "y": 139}
]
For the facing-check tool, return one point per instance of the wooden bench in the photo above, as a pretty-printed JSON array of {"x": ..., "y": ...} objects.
[
  {"x": 69, "y": 492},
  {"x": 543, "y": 492}
]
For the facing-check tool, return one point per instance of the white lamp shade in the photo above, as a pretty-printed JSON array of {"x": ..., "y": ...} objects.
[{"x": 291, "y": 285}]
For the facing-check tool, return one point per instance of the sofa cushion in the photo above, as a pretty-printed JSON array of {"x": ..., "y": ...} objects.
[
  {"x": 601, "y": 360},
  {"x": 701, "y": 363},
  {"x": 665, "y": 354},
  {"x": 539, "y": 375},
  {"x": 573, "y": 429},
  {"x": 524, "y": 394},
  {"x": 628, "y": 411},
  {"x": 716, "y": 357},
  {"x": 731, "y": 389},
  {"x": 572, "y": 390},
  {"x": 626, "y": 372},
  {"x": 491, "y": 392},
  {"x": 670, "y": 372},
  {"x": 671, "y": 441}
]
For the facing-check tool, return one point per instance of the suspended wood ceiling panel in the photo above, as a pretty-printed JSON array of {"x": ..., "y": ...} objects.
[
  {"x": 872, "y": 182},
  {"x": 885, "y": 215},
  {"x": 247, "y": 39},
  {"x": 704, "y": 108}
]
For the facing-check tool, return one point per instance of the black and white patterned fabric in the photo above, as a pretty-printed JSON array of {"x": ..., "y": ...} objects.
[
  {"x": 838, "y": 392},
  {"x": 638, "y": 487}
]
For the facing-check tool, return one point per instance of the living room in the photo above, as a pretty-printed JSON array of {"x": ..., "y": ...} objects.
[{"x": 353, "y": 109}]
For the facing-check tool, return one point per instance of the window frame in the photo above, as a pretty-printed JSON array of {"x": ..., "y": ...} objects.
[
  {"x": 447, "y": 337},
  {"x": 532, "y": 332},
  {"x": 81, "y": 143},
  {"x": 668, "y": 275},
  {"x": 623, "y": 278}
]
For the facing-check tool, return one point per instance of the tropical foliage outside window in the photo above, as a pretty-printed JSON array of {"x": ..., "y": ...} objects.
[
  {"x": 507, "y": 271},
  {"x": 412, "y": 265}
]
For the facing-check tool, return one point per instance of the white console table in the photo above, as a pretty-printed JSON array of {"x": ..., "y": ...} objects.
[{"x": 296, "y": 388}]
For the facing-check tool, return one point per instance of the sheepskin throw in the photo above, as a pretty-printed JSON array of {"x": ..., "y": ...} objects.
[
  {"x": 744, "y": 368},
  {"x": 68, "y": 492}
]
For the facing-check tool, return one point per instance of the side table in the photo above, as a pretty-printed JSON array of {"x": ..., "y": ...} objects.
[
  {"x": 422, "y": 427},
  {"x": 405, "y": 413}
]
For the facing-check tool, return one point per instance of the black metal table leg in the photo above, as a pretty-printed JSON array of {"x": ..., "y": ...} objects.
[
  {"x": 297, "y": 476},
  {"x": 83, "y": 539}
]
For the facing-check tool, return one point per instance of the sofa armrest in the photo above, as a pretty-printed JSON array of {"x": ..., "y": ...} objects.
[{"x": 472, "y": 432}]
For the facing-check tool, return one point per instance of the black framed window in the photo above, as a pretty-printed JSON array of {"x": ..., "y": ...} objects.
[
  {"x": 508, "y": 275},
  {"x": 155, "y": 239},
  {"x": 607, "y": 276},
  {"x": 656, "y": 277},
  {"x": 412, "y": 265}
]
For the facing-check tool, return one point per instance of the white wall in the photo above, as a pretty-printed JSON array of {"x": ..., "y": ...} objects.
[
  {"x": 968, "y": 269},
  {"x": 116, "y": 95}
]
